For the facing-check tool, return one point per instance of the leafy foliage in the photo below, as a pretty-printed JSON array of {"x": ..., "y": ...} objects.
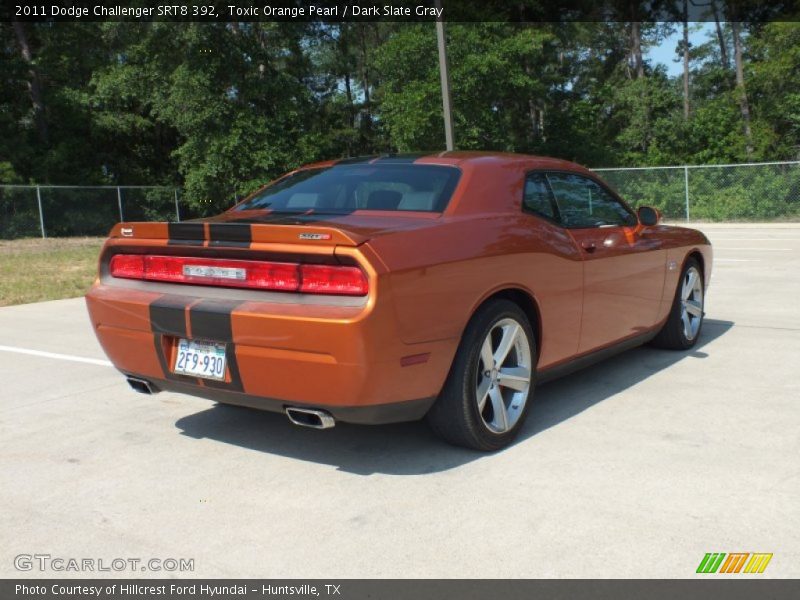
[{"x": 218, "y": 109}]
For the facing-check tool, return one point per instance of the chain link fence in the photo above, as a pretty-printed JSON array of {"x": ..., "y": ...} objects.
[
  {"x": 62, "y": 211},
  {"x": 744, "y": 192}
]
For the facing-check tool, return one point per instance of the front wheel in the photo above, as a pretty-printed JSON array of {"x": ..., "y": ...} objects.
[
  {"x": 486, "y": 396},
  {"x": 685, "y": 320}
]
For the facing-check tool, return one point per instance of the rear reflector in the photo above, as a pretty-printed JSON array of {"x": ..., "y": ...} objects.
[{"x": 250, "y": 274}]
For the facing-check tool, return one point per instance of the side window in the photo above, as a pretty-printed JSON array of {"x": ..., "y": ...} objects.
[
  {"x": 582, "y": 202},
  {"x": 537, "y": 196}
]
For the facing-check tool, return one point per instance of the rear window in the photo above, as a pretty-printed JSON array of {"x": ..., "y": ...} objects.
[{"x": 345, "y": 188}]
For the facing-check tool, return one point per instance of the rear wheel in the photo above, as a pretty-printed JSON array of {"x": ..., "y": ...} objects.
[
  {"x": 685, "y": 320},
  {"x": 485, "y": 399}
]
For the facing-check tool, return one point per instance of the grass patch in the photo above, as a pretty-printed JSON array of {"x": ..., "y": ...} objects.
[{"x": 33, "y": 270}]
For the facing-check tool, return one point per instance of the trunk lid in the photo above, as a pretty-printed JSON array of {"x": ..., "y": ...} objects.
[
  {"x": 245, "y": 228},
  {"x": 357, "y": 227}
]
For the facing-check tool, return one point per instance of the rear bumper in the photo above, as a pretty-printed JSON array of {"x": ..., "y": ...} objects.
[
  {"x": 346, "y": 360},
  {"x": 368, "y": 414}
]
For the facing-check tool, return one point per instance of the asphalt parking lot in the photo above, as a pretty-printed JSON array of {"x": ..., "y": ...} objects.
[{"x": 636, "y": 467}]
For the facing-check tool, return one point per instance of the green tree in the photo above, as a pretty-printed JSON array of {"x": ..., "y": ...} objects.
[
  {"x": 220, "y": 108},
  {"x": 501, "y": 78}
]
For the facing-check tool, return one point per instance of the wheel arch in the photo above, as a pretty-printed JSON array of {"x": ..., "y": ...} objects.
[
  {"x": 695, "y": 253},
  {"x": 526, "y": 301}
]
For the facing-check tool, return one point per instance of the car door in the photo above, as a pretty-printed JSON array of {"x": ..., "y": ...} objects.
[
  {"x": 623, "y": 274},
  {"x": 554, "y": 270}
]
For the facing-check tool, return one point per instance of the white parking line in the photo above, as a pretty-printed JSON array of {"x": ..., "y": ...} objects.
[
  {"x": 759, "y": 249},
  {"x": 80, "y": 359}
]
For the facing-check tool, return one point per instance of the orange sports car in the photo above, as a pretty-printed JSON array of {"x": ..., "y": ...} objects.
[{"x": 391, "y": 288}]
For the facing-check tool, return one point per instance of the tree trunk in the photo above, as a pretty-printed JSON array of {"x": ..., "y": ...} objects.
[
  {"x": 344, "y": 57},
  {"x": 636, "y": 39},
  {"x": 638, "y": 65},
  {"x": 636, "y": 49},
  {"x": 365, "y": 83},
  {"x": 34, "y": 87},
  {"x": 740, "y": 87},
  {"x": 541, "y": 125},
  {"x": 533, "y": 115},
  {"x": 723, "y": 50},
  {"x": 533, "y": 107},
  {"x": 534, "y": 110},
  {"x": 685, "y": 60},
  {"x": 365, "y": 67},
  {"x": 349, "y": 91},
  {"x": 262, "y": 67}
]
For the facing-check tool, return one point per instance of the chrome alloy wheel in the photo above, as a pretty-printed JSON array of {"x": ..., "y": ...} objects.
[
  {"x": 504, "y": 375},
  {"x": 691, "y": 303}
]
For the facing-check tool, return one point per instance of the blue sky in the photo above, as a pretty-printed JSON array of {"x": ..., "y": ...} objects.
[{"x": 665, "y": 53}]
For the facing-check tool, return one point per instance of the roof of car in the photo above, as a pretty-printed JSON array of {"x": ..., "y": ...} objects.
[{"x": 457, "y": 157}]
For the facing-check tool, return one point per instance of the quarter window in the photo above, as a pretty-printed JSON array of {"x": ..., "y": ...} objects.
[
  {"x": 537, "y": 197},
  {"x": 583, "y": 202}
]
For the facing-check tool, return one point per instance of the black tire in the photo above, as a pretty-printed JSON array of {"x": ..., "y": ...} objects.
[
  {"x": 455, "y": 417},
  {"x": 673, "y": 334}
]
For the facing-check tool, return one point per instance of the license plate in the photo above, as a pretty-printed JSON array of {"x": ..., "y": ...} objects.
[{"x": 200, "y": 359}]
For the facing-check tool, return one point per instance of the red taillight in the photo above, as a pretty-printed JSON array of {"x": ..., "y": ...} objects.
[
  {"x": 251, "y": 274},
  {"x": 322, "y": 279},
  {"x": 129, "y": 266}
]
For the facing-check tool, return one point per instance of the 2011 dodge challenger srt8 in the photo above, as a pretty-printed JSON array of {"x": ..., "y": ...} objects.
[{"x": 391, "y": 288}]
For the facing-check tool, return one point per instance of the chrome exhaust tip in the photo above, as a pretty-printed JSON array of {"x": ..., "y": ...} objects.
[
  {"x": 142, "y": 386},
  {"x": 308, "y": 417}
]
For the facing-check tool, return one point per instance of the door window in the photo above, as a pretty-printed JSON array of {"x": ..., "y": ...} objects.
[{"x": 583, "y": 203}]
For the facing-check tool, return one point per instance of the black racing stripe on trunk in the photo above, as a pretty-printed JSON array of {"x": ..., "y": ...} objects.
[
  {"x": 237, "y": 235},
  {"x": 211, "y": 320},
  {"x": 168, "y": 317},
  {"x": 186, "y": 234}
]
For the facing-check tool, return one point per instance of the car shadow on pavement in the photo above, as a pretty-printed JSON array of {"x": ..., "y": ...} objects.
[{"x": 411, "y": 448}]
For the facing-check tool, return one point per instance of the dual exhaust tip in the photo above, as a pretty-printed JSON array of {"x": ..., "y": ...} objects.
[
  {"x": 142, "y": 386},
  {"x": 304, "y": 417},
  {"x": 309, "y": 417}
]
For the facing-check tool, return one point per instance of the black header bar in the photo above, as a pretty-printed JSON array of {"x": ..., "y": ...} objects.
[{"x": 332, "y": 11}]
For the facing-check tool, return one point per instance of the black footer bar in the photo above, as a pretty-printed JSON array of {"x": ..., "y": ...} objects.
[{"x": 733, "y": 588}]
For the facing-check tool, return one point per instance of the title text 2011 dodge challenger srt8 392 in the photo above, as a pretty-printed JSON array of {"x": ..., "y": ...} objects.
[{"x": 385, "y": 289}]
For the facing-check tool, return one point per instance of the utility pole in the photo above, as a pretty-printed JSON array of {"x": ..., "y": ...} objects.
[{"x": 444, "y": 75}]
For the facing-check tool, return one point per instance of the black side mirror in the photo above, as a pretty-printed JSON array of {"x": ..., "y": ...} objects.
[{"x": 648, "y": 216}]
